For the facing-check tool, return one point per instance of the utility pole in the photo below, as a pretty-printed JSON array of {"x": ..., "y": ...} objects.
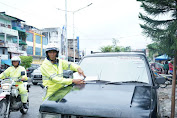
[
  {"x": 174, "y": 81},
  {"x": 173, "y": 87},
  {"x": 73, "y": 25},
  {"x": 66, "y": 38}
]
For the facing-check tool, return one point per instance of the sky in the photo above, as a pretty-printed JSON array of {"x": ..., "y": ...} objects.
[{"x": 96, "y": 25}]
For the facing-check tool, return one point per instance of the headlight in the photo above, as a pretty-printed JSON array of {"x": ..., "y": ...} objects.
[
  {"x": 5, "y": 87},
  {"x": 48, "y": 115}
]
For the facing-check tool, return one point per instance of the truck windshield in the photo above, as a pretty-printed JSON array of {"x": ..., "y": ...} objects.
[{"x": 116, "y": 69}]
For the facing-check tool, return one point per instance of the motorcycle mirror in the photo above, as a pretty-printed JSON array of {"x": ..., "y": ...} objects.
[{"x": 22, "y": 73}]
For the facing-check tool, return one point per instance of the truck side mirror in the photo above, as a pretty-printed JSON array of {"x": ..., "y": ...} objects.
[
  {"x": 22, "y": 73},
  {"x": 160, "y": 80}
]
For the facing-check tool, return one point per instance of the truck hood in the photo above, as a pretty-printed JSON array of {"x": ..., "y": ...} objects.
[{"x": 101, "y": 100}]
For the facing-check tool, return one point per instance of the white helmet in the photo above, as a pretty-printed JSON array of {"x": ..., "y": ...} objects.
[
  {"x": 52, "y": 46},
  {"x": 16, "y": 58}
]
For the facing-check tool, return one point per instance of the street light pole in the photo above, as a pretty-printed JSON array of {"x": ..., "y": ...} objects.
[
  {"x": 73, "y": 26},
  {"x": 66, "y": 40},
  {"x": 73, "y": 38}
]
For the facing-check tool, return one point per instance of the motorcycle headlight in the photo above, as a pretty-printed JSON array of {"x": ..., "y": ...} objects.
[
  {"x": 47, "y": 115},
  {"x": 5, "y": 87}
]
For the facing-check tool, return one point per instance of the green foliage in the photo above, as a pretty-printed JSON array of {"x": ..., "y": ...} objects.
[
  {"x": 117, "y": 49},
  {"x": 153, "y": 49},
  {"x": 26, "y": 61},
  {"x": 22, "y": 35},
  {"x": 125, "y": 49},
  {"x": 162, "y": 32},
  {"x": 110, "y": 48}
]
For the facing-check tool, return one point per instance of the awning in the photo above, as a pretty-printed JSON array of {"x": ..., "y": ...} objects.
[
  {"x": 162, "y": 57},
  {"x": 8, "y": 62},
  {"x": 15, "y": 52}
]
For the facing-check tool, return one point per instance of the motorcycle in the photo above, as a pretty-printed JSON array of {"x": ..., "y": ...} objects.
[{"x": 10, "y": 99}]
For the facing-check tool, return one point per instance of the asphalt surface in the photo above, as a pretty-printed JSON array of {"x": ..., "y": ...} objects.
[{"x": 35, "y": 99}]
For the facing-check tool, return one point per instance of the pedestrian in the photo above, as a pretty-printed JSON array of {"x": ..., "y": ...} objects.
[
  {"x": 52, "y": 71},
  {"x": 170, "y": 67},
  {"x": 166, "y": 67},
  {"x": 14, "y": 72}
]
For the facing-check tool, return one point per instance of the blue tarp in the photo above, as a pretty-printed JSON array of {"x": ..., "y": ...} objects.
[
  {"x": 163, "y": 57},
  {"x": 8, "y": 62}
]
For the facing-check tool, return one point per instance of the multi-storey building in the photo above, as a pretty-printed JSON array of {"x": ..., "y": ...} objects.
[
  {"x": 53, "y": 35},
  {"x": 71, "y": 50},
  {"x": 36, "y": 43},
  {"x": 19, "y": 26},
  {"x": 10, "y": 44}
]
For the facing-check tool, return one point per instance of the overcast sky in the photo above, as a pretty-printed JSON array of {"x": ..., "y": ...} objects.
[{"x": 95, "y": 25}]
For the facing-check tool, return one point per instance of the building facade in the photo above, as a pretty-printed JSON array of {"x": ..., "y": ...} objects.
[
  {"x": 53, "y": 35},
  {"x": 10, "y": 44},
  {"x": 36, "y": 45},
  {"x": 71, "y": 50}
]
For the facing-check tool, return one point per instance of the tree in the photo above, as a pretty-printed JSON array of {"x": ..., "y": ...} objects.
[
  {"x": 26, "y": 61},
  {"x": 125, "y": 49},
  {"x": 153, "y": 49},
  {"x": 115, "y": 49},
  {"x": 162, "y": 32},
  {"x": 106, "y": 48}
]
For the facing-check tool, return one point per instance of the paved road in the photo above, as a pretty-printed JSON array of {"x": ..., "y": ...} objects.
[{"x": 35, "y": 97}]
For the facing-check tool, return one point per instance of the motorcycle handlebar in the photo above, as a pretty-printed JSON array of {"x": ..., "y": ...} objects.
[{"x": 18, "y": 79}]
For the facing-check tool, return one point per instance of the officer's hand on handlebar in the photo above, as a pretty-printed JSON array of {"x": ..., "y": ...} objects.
[
  {"x": 78, "y": 81},
  {"x": 19, "y": 80}
]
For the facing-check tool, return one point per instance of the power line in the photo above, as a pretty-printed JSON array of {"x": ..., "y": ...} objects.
[
  {"x": 35, "y": 14},
  {"x": 12, "y": 7}
]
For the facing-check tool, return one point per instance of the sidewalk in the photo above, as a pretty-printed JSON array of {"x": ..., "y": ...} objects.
[{"x": 165, "y": 101}]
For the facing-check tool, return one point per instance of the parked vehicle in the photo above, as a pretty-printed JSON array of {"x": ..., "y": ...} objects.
[
  {"x": 10, "y": 99},
  {"x": 31, "y": 69},
  {"x": 36, "y": 76},
  {"x": 120, "y": 85}
]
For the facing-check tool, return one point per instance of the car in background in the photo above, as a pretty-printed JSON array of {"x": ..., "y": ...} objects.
[
  {"x": 36, "y": 76},
  {"x": 118, "y": 85},
  {"x": 31, "y": 69}
]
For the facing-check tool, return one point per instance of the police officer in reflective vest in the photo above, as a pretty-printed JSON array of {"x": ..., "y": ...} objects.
[
  {"x": 52, "y": 71},
  {"x": 14, "y": 72}
]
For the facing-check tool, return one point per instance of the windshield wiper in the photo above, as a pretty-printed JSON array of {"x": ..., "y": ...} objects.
[
  {"x": 134, "y": 82},
  {"x": 99, "y": 81},
  {"x": 115, "y": 83}
]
